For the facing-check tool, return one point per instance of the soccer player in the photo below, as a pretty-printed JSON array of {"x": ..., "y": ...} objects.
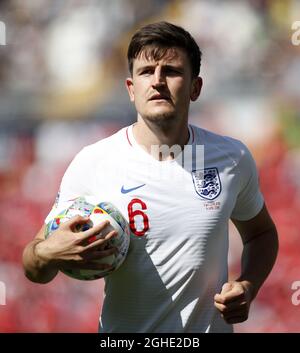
[{"x": 178, "y": 204}]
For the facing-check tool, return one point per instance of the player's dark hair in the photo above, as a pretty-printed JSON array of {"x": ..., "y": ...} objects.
[{"x": 155, "y": 39}]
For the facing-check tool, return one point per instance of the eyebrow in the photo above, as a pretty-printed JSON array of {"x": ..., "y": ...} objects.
[{"x": 166, "y": 66}]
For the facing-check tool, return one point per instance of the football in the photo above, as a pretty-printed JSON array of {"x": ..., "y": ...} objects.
[{"x": 97, "y": 214}]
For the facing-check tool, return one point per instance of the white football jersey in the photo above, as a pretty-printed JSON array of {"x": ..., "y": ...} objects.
[{"x": 178, "y": 214}]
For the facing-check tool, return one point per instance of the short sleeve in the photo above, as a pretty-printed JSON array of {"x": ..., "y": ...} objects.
[
  {"x": 249, "y": 199},
  {"x": 76, "y": 182}
]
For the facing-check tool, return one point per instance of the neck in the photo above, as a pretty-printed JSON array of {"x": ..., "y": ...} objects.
[{"x": 148, "y": 133}]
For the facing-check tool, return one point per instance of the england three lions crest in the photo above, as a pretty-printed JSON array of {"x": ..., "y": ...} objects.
[{"x": 207, "y": 183}]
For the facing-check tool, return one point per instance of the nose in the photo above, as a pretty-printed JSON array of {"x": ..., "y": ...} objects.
[{"x": 158, "y": 78}]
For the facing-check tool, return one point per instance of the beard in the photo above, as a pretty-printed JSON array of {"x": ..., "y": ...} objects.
[{"x": 160, "y": 119}]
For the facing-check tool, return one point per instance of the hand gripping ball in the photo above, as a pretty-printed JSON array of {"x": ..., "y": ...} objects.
[{"x": 97, "y": 214}]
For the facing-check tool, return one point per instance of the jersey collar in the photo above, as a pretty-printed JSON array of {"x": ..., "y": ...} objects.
[{"x": 131, "y": 140}]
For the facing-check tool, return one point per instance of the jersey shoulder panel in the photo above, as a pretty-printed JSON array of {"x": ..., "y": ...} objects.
[
  {"x": 223, "y": 145},
  {"x": 108, "y": 144}
]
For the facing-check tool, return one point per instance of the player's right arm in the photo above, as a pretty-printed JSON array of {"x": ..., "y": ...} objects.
[
  {"x": 35, "y": 268},
  {"x": 65, "y": 249}
]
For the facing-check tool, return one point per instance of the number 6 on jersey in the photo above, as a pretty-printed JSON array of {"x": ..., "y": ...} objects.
[{"x": 135, "y": 215}]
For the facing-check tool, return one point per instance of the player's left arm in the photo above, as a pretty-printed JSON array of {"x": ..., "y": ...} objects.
[{"x": 260, "y": 247}]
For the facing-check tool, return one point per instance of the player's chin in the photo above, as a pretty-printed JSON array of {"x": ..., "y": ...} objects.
[{"x": 160, "y": 115}]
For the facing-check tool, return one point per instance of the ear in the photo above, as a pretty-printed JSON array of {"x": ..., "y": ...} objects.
[
  {"x": 130, "y": 88},
  {"x": 196, "y": 88}
]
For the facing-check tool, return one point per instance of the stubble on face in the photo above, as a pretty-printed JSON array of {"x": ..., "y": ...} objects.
[{"x": 160, "y": 119}]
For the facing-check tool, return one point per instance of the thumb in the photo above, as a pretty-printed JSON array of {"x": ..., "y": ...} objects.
[
  {"x": 220, "y": 297},
  {"x": 226, "y": 288}
]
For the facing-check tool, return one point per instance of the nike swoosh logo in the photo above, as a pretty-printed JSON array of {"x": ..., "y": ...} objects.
[{"x": 126, "y": 191}]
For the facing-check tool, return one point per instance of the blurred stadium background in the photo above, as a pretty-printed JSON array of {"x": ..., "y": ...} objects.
[{"x": 62, "y": 74}]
